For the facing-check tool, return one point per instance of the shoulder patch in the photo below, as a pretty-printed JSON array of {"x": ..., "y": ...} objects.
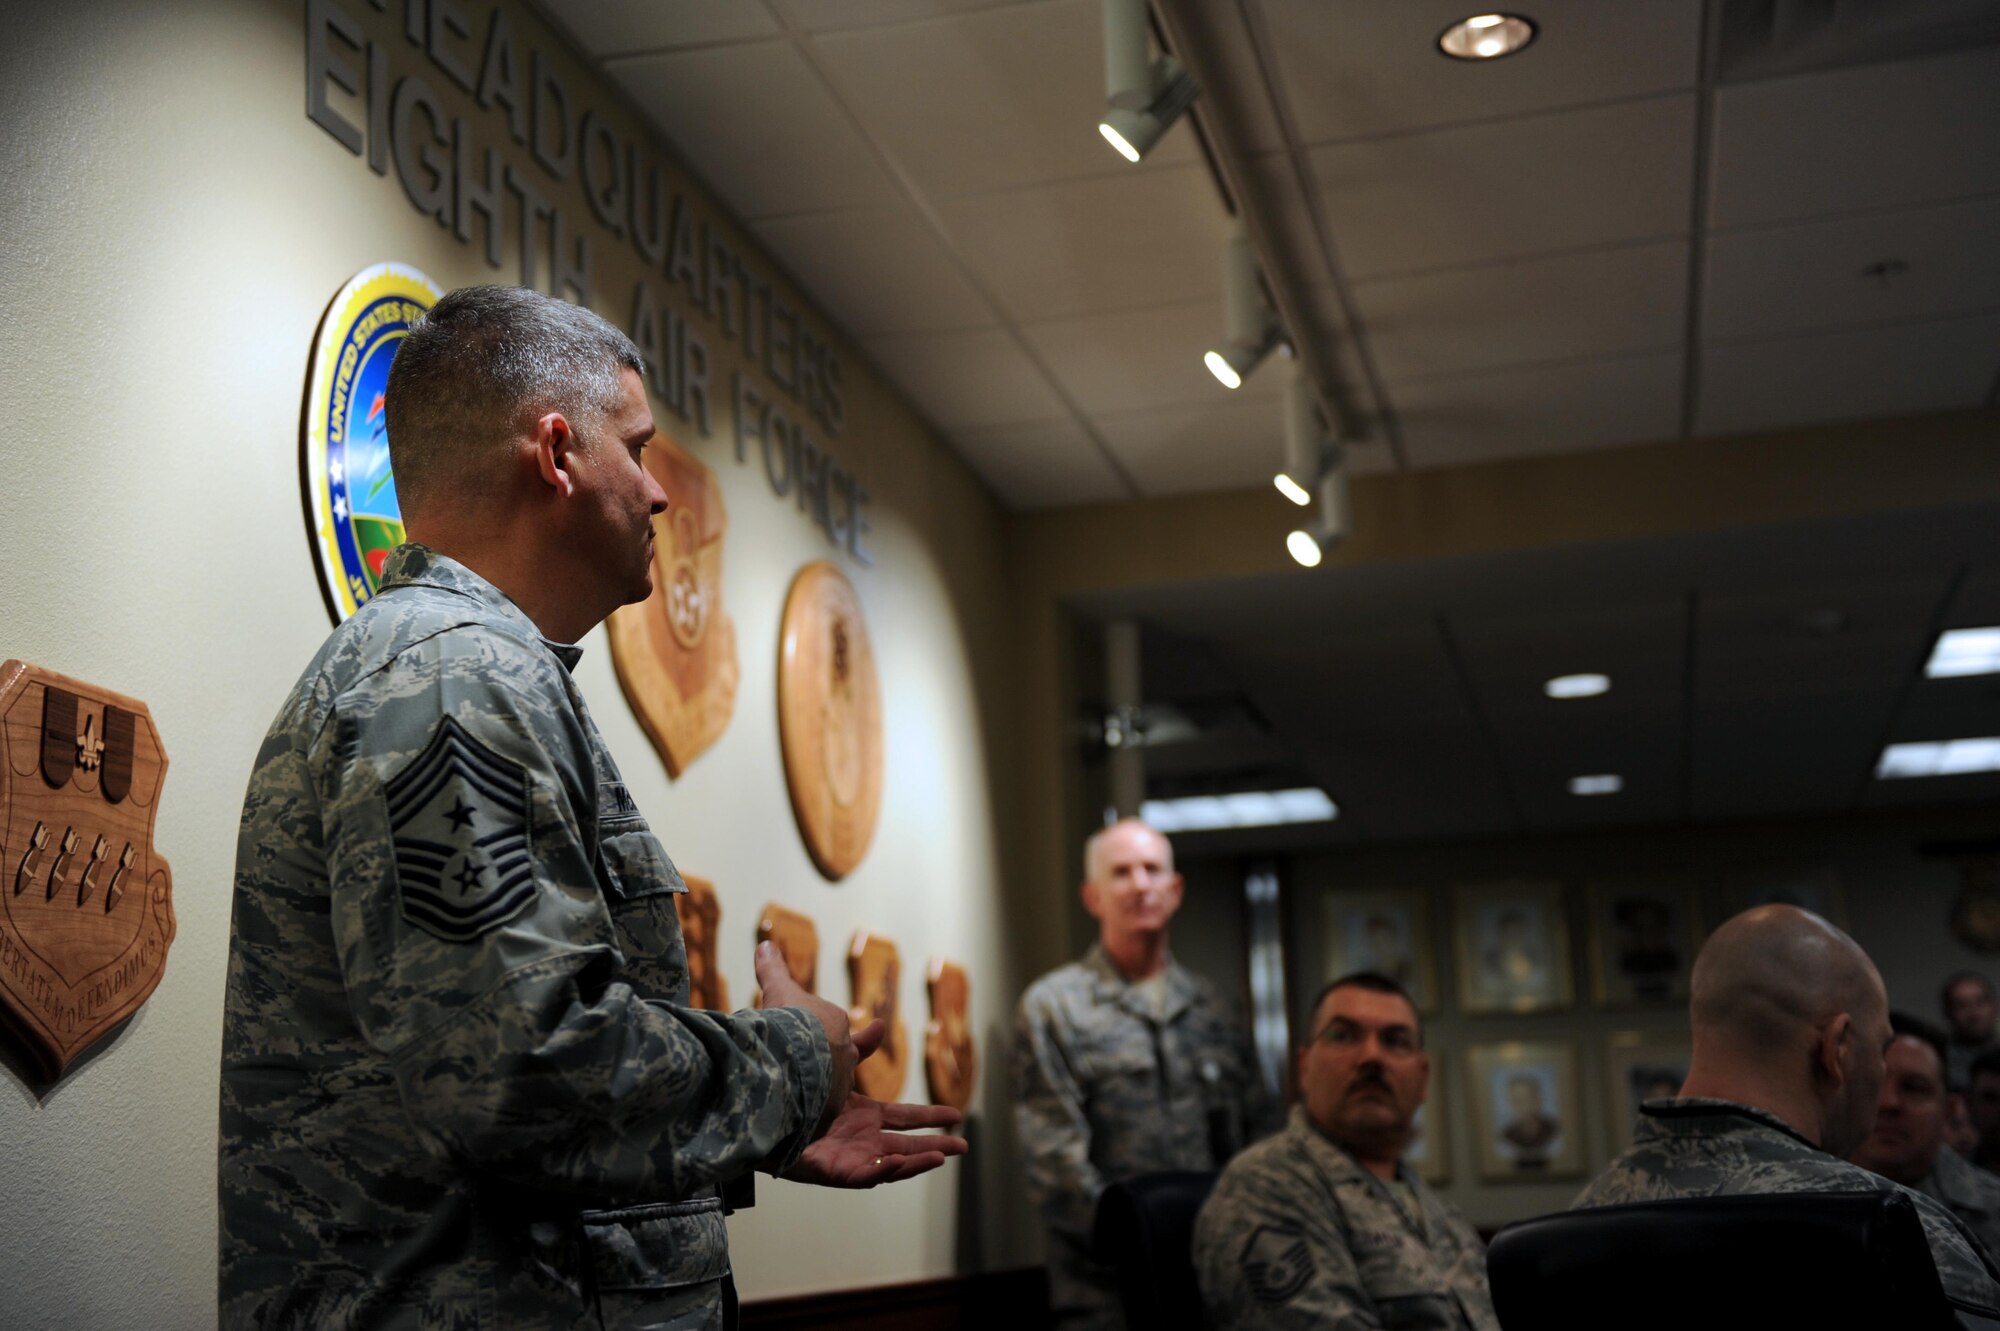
[
  {"x": 1276, "y": 1263},
  {"x": 458, "y": 818}
]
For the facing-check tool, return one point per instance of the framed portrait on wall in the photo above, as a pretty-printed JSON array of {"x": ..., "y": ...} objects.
[
  {"x": 1429, "y": 1153},
  {"x": 1512, "y": 941},
  {"x": 1527, "y": 1115},
  {"x": 1817, "y": 889},
  {"x": 1641, "y": 1066},
  {"x": 1643, "y": 937},
  {"x": 1386, "y": 930}
]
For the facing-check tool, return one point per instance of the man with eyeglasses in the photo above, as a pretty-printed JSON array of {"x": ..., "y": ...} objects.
[{"x": 1323, "y": 1225}]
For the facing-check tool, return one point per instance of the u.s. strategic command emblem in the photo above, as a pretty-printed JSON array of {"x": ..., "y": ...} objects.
[
  {"x": 458, "y": 822},
  {"x": 675, "y": 652},
  {"x": 86, "y": 903},
  {"x": 349, "y": 491}
]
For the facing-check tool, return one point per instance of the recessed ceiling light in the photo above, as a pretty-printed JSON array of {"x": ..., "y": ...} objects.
[
  {"x": 1577, "y": 686},
  {"x": 1603, "y": 783},
  {"x": 1486, "y": 36},
  {"x": 1965, "y": 652},
  {"x": 1949, "y": 757},
  {"x": 1250, "y": 808}
]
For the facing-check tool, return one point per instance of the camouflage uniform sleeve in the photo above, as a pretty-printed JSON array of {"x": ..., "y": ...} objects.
[
  {"x": 495, "y": 996},
  {"x": 1266, "y": 1263},
  {"x": 1049, "y": 1119}
]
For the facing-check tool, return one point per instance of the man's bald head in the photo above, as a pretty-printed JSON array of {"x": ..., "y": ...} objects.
[{"x": 1781, "y": 996}]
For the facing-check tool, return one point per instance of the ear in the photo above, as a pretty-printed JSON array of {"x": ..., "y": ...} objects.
[
  {"x": 1423, "y": 1077},
  {"x": 1090, "y": 901},
  {"x": 1179, "y": 886},
  {"x": 555, "y": 453},
  {"x": 1299, "y": 1066},
  {"x": 1832, "y": 1054}
]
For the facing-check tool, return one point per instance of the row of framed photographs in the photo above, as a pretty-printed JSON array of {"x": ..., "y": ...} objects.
[
  {"x": 1527, "y": 1104},
  {"x": 1511, "y": 940}
]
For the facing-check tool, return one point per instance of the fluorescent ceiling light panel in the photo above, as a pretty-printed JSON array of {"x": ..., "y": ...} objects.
[
  {"x": 1964, "y": 652},
  {"x": 1949, "y": 757},
  {"x": 1250, "y": 808},
  {"x": 1603, "y": 783},
  {"x": 1577, "y": 686}
]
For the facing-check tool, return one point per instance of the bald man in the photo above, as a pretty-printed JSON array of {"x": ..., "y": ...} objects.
[
  {"x": 1125, "y": 1062},
  {"x": 1790, "y": 1022}
]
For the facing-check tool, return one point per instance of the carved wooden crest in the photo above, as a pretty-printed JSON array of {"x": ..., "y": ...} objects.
[
  {"x": 86, "y": 903},
  {"x": 875, "y": 971},
  {"x": 797, "y": 940},
  {"x": 701, "y": 914},
  {"x": 950, "y": 1063},
  {"x": 830, "y": 719},
  {"x": 675, "y": 651}
]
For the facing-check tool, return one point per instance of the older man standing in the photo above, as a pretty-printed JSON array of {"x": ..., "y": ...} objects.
[
  {"x": 1124, "y": 1063},
  {"x": 1907, "y": 1143},
  {"x": 1323, "y": 1225},
  {"x": 1790, "y": 1020}
]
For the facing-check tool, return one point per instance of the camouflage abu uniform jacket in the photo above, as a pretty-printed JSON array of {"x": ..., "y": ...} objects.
[
  {"x": 1712, "y": 1148},
  {"x": 1104, "y": 1089},
  {"x": 1968, "y": 1192},
  {"x": 459, "y": 1087},
  {"x": 1298, "y": 1234}
]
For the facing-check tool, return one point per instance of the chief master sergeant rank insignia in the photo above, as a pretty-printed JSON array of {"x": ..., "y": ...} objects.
[{"x": 458, "y": 817}]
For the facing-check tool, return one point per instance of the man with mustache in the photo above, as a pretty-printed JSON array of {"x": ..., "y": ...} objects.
[{"x": 1324, "y": 1225}]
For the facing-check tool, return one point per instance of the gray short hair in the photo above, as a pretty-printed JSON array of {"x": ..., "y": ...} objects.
[{"x": 478, "y": 366}]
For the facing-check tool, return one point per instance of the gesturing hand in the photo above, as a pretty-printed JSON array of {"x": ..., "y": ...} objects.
[
  {"x": 870, "y": 1142},
  {"x": 846, "y": 1048}
]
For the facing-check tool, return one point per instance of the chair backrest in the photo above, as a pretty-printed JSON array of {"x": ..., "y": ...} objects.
[
  {"x": 1145, "y": 1232},
  {"x": 1721, "y": 1263}
]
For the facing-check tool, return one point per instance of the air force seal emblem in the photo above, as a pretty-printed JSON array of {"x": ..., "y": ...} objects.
[
  {"x": 458, "y": 820},
  {"x": 350, "y": 492},
  {"x": 86, "y": 903}
]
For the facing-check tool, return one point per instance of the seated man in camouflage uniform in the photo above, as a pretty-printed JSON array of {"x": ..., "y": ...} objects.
[
  {"x": 461, "y": 1082},
  {"x": 1124, "y": 1063},
  {"x": 1907, "y": 1143},
  {"x": 1790, "y": 1020},
  {"x": 1323, "y": 1225}
]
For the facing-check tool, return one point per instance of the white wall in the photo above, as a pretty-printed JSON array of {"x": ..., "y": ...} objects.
[{"x": 172, "y": 228}]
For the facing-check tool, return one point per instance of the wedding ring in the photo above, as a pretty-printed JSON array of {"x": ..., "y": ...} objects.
[{"x": 878, "y": 1159}]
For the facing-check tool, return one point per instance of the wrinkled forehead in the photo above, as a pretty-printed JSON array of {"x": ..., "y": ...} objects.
[{"x": 1364, "y": 1007}]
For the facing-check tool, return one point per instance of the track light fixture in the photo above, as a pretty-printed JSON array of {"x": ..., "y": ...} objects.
[
  {"x": 1145, "y": 96},
  {"x": 1250, "y": 327},
  {"x": 1336, "y": 518},
  {"x": 1309, "y": 453}
]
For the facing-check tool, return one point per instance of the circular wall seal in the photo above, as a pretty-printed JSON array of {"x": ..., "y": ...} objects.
[
  {"x": 830, "y": 718},
  {"x": 352, "y": 515}
]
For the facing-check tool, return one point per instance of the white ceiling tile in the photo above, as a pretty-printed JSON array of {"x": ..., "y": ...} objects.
[
  {"x": 1358, "y": 67},
  {"x": 1793, "y": 278},
  {"x": 963, "y": 380},
  {"x": 1857, "y": 374},
  {"x": 1510, "y": 188},
  {"x": 1045, "y": 464},
  {"x": 1188, "y": 450},
  {"x": 1878, "y": 136},
  {"x": 1539, "y": 409},
  {"x": 1275, "y": 189},
  {"x": 759, "y": 127},
  {"x": 613, "y": 27},
  {"x": 989, "y": 100},
  {"x": 1565, "y": 307},
  {"x": 833, "y": 15},
  {"x": 877, "y": 271},
  {"x": 1111, "y": 243},
  {"x": 1145, "y": 358}
]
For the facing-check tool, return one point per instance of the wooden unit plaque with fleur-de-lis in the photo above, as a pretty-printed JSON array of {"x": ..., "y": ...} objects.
[{"x": 86, "y": 902}]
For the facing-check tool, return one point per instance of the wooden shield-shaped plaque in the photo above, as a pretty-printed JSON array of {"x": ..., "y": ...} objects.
[
  {"x": 86, "y": 903},
  {"x": 830, "y": 719},
  {"x": 797, "y": 939},
  {"x": 950, "y": 1064},
  {"x": 876, "y": 971},
  {"x": 676, "y": 650},
  {"x": 700, "y": 913}
]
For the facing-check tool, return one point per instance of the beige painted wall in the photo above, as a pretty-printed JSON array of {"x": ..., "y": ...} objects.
[{"x": 174, "y": 226}]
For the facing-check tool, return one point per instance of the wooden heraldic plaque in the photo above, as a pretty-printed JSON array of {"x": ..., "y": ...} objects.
[
  {"x": 86, "y": 903},
  {"x": 830, "y": 719},
  {"x": 675, "y": 651},
  {"x": 700, "y": 915},
  {"x": 950, "y": 1065},
  {"x": 797, "y": 940},
  {"x": 876, "y": 971}
]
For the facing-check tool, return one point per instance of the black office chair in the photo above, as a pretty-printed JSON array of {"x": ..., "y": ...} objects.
[
  {"x": 1145, "y": 1232},
  {"x": 1757, "y": 1263}
]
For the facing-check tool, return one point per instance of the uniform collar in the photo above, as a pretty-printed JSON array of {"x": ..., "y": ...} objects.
[
  {"x": 1695, "y": 1116},
  {"x": 1339, "y": 1164},
  {"x": 1110, "y": 985},
  {"x": 413, "y": 565}
]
